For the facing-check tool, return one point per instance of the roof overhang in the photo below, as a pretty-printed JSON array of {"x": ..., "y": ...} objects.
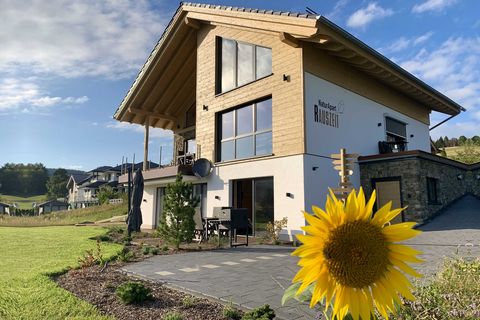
[{"x": 166, "y": 85}]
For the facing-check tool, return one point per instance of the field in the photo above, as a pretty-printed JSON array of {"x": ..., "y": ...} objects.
[
  {"x": 28, "y": 256},
  {"x": 453, "y": 151},
  {"x": 63, "y": 218},
  {"x": 23, "y": 203}
]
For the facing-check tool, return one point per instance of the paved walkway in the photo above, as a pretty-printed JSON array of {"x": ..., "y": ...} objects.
[{"x": 255, "y": 275}]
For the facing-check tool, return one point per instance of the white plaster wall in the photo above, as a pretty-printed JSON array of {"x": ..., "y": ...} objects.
[
  {"x": 358, "y": 129},
  {"x": 287, "y": 173}
]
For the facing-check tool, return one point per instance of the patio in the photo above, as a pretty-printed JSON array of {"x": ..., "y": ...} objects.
[{"x": 255, "y": 275}]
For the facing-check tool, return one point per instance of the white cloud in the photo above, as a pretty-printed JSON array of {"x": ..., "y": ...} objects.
[
  {"x": 74, "y": 167},
  {"x": 453, "y": 69},
  {"x": 337, "y": 9},
  {"x": 125, "y": 126},
  {"x": 25, "y": 95},
  {"x": 403, "y": 43},
  {"x": 66, "y": 38},
  {"x": 432, "y": 5},
  {"x": 362, "y": 17}
]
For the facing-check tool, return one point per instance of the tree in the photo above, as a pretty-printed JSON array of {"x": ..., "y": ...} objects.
[
  {"x": 462, "y": 140},
  {"x": 57, "y": 184},
  {"x": 106, "y": 193},
  {"x": 476, "y": 140},
  {"x": 440, "y": 143},
  {"x": 469, "y": 153},
  {"x": 177, "y": 224}
]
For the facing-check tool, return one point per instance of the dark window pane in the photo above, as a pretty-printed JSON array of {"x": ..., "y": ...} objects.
[
  {"x": 263, "y": 143},
  {"x": 244, "y": 147},
  {"x": 264, "y": 62},
  {"x": 228, "y": 150},
  {"x": 245, "y": 64},
  {"x": 227, "y": 125},
  {"x": 396, "y": 127},
  {"x": 228, "y": 64},
  {"x": 264, "y": 115},
  {"x": 264, "y": 211},
  {"x": 245, "y": 120}
]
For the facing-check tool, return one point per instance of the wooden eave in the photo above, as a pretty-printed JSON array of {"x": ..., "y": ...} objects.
[{"x": 355, "y": 53}]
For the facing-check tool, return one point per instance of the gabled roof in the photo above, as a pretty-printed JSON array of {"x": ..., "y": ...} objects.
[
  {"x": 3, "y": 204},
  {"x": 94, "y": 185},
  {"x": 53, "y": 203},
  {"x": 173, "y": 60}
]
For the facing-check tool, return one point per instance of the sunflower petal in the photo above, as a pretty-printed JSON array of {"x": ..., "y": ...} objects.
[{"x": 400, "y": 232}]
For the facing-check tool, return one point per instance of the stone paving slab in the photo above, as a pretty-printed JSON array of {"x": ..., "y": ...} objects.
[{"x": 255, "y": 275}]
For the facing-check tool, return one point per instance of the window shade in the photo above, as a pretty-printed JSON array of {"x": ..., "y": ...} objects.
[{"x": 396, "y": 127}]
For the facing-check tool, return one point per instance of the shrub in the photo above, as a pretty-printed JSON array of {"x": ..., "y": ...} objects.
[
  {"x": 154, "y": 251},
  {"x": 133, "y": 292},
  {"x": 146, "y": 250},
  {"x": 173, "y": 316},
  {"x": 230, "y": 312},
  {"x": 125, "y": 255},
  {"x": 273, "y": 230},
  {"x": 188, "y": 302},
  {"x": 165, "y": 248},
  {"x": 92, "y": 257},
  {"x": 261, "y": 313},
  {"x": 453, "y": 294},
  {"x": 177, "y": 224}
]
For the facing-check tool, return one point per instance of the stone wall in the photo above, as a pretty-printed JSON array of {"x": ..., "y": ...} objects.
[{"x": 454, "y": 179}]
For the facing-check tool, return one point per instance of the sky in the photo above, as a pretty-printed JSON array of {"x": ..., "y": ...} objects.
[{"x": 65, "y": 67}]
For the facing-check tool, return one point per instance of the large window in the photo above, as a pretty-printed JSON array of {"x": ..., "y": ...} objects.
[
  {"x": 396, "y": 130},
  {"x": 245, "y": 132},
  {"x": 240, "y": 63}
]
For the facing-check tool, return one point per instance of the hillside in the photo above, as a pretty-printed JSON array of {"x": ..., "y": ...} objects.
[
  {"x": 64, "y": 218},
  {"x": 22, "y": 203}
]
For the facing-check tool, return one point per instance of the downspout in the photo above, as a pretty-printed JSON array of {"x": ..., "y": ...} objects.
[{"x": 448, "y": 119}]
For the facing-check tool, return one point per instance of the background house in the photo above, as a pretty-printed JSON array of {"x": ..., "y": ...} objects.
[
  {"x": 4, "y": 208},
  {"x": 50, "y": 206}
]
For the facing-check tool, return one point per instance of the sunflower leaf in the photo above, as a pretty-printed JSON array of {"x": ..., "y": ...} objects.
[{"x": 290, "y": 292}]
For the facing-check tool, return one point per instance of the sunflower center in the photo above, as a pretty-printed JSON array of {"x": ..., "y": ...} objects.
[{"x": 356, "y": 254}]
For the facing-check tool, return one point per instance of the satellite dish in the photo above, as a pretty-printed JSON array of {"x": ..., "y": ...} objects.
[{"x": 202, "y": 168}]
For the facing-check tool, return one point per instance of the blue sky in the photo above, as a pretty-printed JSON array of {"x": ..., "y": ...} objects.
[{"x": 65, "y": 66}]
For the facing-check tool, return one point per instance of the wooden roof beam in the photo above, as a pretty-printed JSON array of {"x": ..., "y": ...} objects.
[
  {"x": 287, "y": 38},
  {"x": 153, "y": 115},
  {"x": 192, "y": 23}
]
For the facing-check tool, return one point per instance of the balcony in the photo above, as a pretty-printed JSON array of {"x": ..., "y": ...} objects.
[{"x": 391, "y": 146}]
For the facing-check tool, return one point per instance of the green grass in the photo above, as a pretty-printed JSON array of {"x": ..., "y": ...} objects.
[
  {"x": 23, "y": 203},
  {"x": 63, "y": 218},
  {"x": 28, "y": 255}
]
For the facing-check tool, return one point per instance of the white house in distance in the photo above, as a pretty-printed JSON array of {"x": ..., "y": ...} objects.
[
  {"x": 267, "y": 97},
  {"x": 4, "y": 208}
]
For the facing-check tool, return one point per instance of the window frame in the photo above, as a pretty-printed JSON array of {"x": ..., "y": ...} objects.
[
  {"x": 218, "y": 64},
  {"x": 235, "y": 137}
]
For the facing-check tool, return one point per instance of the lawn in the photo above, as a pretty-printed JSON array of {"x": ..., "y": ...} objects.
[
  {"x": 28, "y": 256},
  {"x": 63, "y": 218},
  {"x": 23, "y": 203}
]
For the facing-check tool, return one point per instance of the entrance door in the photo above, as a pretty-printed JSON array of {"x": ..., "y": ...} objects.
[
  {"x": 389, "y": 190},
  {"x": 256, "y": 195}
]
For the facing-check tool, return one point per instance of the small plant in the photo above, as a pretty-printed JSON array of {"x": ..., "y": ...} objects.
[
  {"x": 92, "y": 257},
  {"x": 125, "y": 255},
  {"x": 188, "y": 302},
  {"x": 165, "y": 248},
  {"x": 146, "y": 250},
  {"x": 230, "y": 312},
  {"x": 104, "y": 238},
  {"x": 173, "y": 316},
  {"x": 154, "y": 250},
  {"x": 273, "y": 229},
  {"x": 261, "y": 313},
  {"x": 133, "y": 292}
]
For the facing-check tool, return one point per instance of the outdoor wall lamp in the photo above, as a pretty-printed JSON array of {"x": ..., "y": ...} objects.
[
  {"x": 144, "y": 200},
  {"x": 379, "y": 124},
  {"x": 289, "y": 195},
  {"x": 411, "y": 136},
  {"x": 205, "y": 108},
  {"x": 286, "y": 77},
  {"x": 460, "y": 177},
  {"x": 314, "y": 168},
  {"x": 217, "y": 197}
]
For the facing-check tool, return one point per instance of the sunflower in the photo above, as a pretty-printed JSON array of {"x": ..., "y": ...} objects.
[{"x": 349, "y": 257}]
